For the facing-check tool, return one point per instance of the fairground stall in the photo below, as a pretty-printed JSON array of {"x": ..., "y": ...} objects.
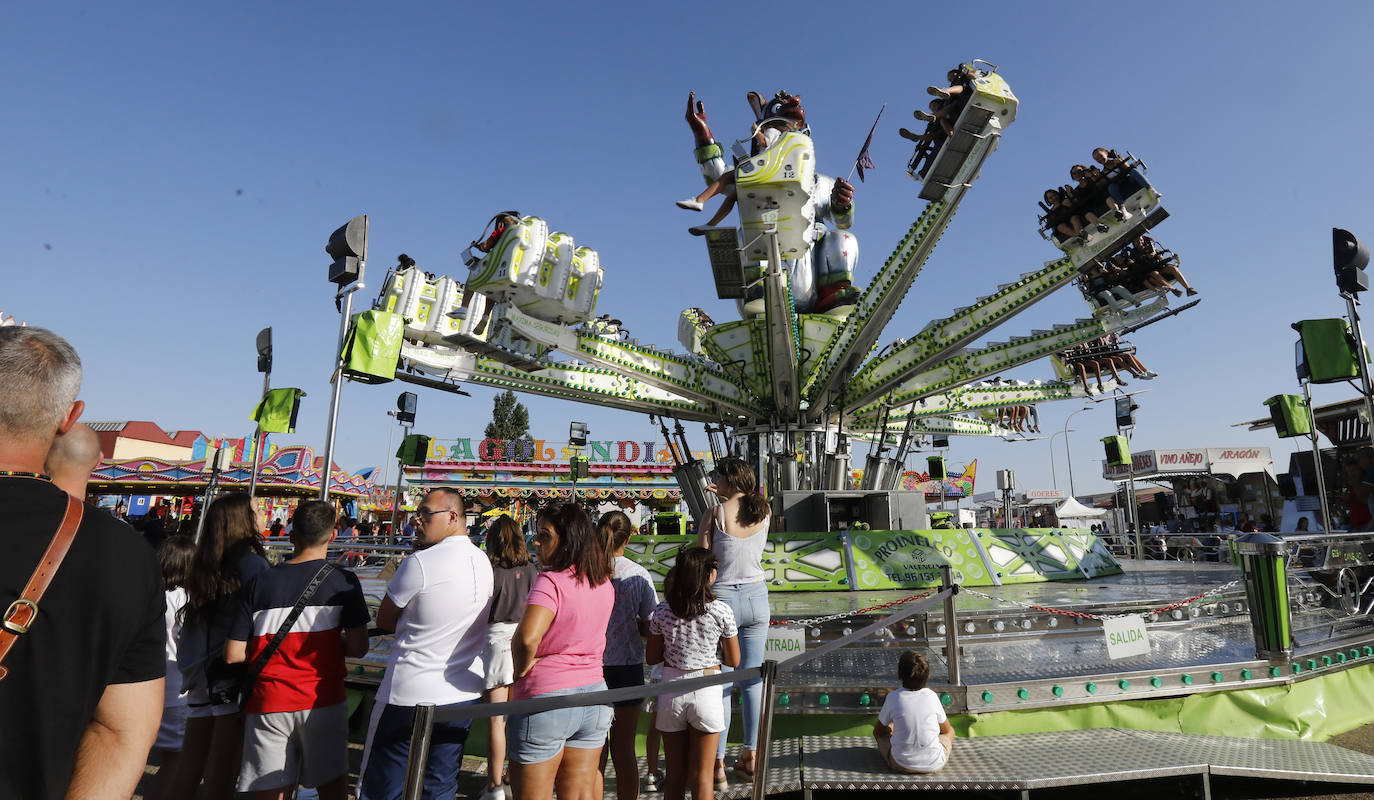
[
  {"x": 520, "y": 476},
  {"x": 284, "y": 479}
]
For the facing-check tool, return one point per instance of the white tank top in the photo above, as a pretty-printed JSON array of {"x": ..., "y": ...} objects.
[{"x": 738, "y": 560}]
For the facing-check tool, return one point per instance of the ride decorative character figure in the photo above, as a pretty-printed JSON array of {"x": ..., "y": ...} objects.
[{"x": 821, "y": 266}]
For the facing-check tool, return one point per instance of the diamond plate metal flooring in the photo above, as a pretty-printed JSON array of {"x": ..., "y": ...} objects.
[
  {"x": 1067, "y": 758},
  {"x": 784, "y": 773}
]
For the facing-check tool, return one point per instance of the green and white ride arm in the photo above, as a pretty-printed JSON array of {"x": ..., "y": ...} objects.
[
  {"x": 564, "y": 381},
  {"x": 940, "y": 426},
  {"x": 879, "y": 302},
  {"x": 975, "y": 398},
  {"x": 943, "y": 337},
  {"x": 866, "y": 390},
  {"x": 705, "y": 385}
]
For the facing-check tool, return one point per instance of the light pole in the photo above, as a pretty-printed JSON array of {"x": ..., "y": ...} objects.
[
  {"x": 264, "y": 345},
  {"x": 1054, "y": 477},
  {"x": 1068, "y": 454},
  {"x": 405, "y": 415},
  {"x": 577, "y": 439},
  {"x": 348, "y": 247}
]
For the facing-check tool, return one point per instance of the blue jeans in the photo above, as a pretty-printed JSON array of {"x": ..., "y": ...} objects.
[
  {"x": 749, "y": 601},
  {"x": 384, "y": 770},
  {"x": 538, "y": 737}
]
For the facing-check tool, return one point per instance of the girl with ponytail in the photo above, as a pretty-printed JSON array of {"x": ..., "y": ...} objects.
[{"x": 736, "y": 533}]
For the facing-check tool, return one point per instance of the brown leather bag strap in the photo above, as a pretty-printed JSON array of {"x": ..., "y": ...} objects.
[{"x": 23, "y": 612}]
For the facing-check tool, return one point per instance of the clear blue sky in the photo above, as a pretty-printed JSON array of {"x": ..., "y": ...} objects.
[{"x": 172, "y": 173}]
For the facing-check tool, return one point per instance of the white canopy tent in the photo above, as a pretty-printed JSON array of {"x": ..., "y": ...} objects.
[{"x": 1076, "y": 515}]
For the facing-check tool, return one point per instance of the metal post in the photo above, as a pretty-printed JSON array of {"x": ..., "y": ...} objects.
[
  {"x": 390, "y": 453},
  {"x": 1263, "y": 562},
  {"x": 1068, "y": 453},
  {"x": 210, "y": 487},
  {"x": 1135, "y": 516},
  {"x": 1054, "y": 473},
  {"x": 1316, "y": 457},
  {"x": 420, "y": 734},
  {"x": 346, "y": 314},
  {"x": 951, "y": 625},
  {"x": 400, "y": 472},
  {"x": 1350, "y": 303},
  {"x": 396, "y": 501},
  {"x": 761, "y": 748},
  {"x": 257, "y": 441}
]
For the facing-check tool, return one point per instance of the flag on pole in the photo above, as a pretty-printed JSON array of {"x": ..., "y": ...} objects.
[{"x": 865, "y": 161}]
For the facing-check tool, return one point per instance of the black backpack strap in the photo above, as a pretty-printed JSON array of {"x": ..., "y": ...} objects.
[{"x": 256, "y": 667}]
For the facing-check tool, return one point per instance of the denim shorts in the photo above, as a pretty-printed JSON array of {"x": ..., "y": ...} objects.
[{"x": 536, "y": 738}]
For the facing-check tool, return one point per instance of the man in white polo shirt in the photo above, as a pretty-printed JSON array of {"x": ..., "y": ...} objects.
[{"x": 437, "y": 604}]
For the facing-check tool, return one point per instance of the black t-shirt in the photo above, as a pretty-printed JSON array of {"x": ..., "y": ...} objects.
[
  {"x": 510, "y": 587},
  {"x": 99, "y": 622}
]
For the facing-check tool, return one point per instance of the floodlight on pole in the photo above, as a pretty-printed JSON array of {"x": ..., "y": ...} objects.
[
  {"x": 577, "y": 466},
  {"x": 1349, "y": 257},
  {"x": 406, "y": 405},
  {"x": 348, "y": 247},
  {"x": 264, "y": 347},
  {"x": 577, "y": 434}
]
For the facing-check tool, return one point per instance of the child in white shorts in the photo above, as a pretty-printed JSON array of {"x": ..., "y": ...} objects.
[{"x": 692, "y": 633}]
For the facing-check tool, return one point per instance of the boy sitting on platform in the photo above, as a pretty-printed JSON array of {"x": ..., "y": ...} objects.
[{"x": 912, "y": 731}]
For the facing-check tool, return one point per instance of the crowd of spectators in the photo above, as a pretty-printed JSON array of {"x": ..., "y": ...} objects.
[{"x": 254, "y": 655}]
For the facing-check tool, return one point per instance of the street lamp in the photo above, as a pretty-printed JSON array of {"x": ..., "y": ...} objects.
[
  {"x": 1054, "y": 477},
  {"x": 1068, "y": 453}
]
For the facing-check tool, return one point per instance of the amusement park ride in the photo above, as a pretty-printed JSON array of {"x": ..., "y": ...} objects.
[{"x": 800, "y": 373}]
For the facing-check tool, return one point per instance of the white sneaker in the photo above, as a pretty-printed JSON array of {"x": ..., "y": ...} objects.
[
  {"x": 1122, "y": 214},
  {"x": 493, "y": 793},
  {"x": 691, "y": 204}
]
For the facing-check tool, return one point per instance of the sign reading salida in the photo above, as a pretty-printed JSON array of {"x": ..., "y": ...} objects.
[{"x": 1125, "y": 636}]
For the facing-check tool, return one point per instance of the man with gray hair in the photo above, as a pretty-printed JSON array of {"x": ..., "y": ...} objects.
[{"x": 81, "y": 683}]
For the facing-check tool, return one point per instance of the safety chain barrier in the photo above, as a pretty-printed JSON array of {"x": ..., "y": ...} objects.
[
  {"x": 844, "y": 614},
  {"x": 1082, "y": 615}
]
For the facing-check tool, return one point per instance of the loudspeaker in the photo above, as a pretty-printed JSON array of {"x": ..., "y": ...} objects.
[
  {"x": 935, "y": 465},
  {"x": 1289, "y": 414},
  {"x": 1118, "y": 450},
  {"x": 1326, "y": 350}
]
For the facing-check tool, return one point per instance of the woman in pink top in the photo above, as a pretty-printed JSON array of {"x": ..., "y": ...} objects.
[{"x": 557, "y": 649}]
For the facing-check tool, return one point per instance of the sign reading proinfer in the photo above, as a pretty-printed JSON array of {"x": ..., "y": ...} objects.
[{"x": 912, "y": 559}]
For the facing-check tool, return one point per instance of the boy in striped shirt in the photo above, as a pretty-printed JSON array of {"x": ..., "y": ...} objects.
[{"x": 295, "y": 716}]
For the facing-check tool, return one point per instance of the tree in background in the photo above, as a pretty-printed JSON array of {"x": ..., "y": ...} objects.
[{"x": 510, "y": 420}]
